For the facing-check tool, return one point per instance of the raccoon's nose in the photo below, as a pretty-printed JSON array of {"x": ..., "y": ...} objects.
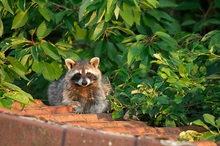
[{"x": 84, "y": 82}]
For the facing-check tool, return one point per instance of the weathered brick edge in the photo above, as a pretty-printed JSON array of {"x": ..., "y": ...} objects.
[
  {"x": 44, "y": 125},
  {"x": 27, "y": 131}
]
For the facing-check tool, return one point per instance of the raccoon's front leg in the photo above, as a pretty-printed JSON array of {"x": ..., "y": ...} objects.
[
  {"x": 99, "y": 106},
  {"x": 77, "y": 106}
]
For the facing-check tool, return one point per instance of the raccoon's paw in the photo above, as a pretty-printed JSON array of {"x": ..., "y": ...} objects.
[{"x": 78, "y": 110}]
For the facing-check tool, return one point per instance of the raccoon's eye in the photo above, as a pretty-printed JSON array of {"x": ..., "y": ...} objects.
[
  {"x": 91, "y": 76},
  {"x": 76, "y": 77}
]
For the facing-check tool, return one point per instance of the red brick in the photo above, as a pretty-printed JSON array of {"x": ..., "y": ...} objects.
[
  {"x": 75, "y": 117},
  {"x": 126, "y": 127},
  {"x": 17, "y": 131},
  {"x": 46, "y": 110},
  {"x": 205, "y": 143},
  {"x": 148, "y": 141},
  {"x": 84, "y": 137},
  {"x": 5, "y": 110}
]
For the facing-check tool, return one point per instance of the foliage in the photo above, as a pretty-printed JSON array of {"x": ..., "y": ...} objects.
[
  {"x": 159, "y": 72},
  {"x": 184, "y": 86},
  {"x": 190, "y": 135},
  {"x": 205, "y": 14},
  {"x": 34, "y": 45},
  {"x": 210, "y": 123}
]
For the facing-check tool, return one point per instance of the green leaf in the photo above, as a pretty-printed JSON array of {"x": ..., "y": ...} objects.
[
  {"x": 63, "y": 44},
  {"x": 111, "y": 4},
  {"x": 127, "y": 14},
  {"x": 92, "y": 20},
  {"x": 5, "y": 103},
  {"x": 200, "y": 123},
  {"x": 111, "y": 50},
  {"x": 17, "y": 67},
  {"x": 21, "y": 4},
  {"x": 6, "y": 74},
  {"x": 60, "y": 15},
  {"x": 209, "y": 35},
  {"x": 137, "y": 15},
  {"x": 182, "y": 70},
  {"x": 34, "y": 52},
  {"x": 38, "y": 67},
  {"x": 153, "y": 3},
  {"x": 117, "y": 114},
  {"x": 20, "y": 19},
  {"x": 1, "y": 28},
  {"x": 165, "y": 37},
  {"x": 167, "y": 71},
  {"x": 11, "y": 86},
  {"x": 167, "y": 3},
  {"x": 50, "y": 50},
  {"x": 8, "y": 5},
  {"x": 82, "y": 9},
  {"x": 208, "y": 136},
  {"x": 58, "y": 71},
  {"x": 80, "y": 33},
  {"x": 178, "y": 99},
  {"x": 158, "y": 85},
  {"x": 117, "y": 12},
  {"x": 44, "y": 29},
  {"x": 218, "y": 122},
  {"x": 41, "y": 3},
  {"x": 44, "y": 12},
  {"x": 137, "y": 6},
  {"x": 16, "y": 63},
  {"x": 68, "y": 54},
  {"x": 171, "y": 80},
  {"x": 189, "y": 68},
  {"x": 163, "y": 100},
  {"x": 125, "y": 30},
  {"x": 99, "y": 30},
  {"x": 162, "y": 75},
  {"x": 51, "y": 71},
  {"x": 19, "y": 96},
  {"x": 99, "y": 48},
  {"x": 133, "y": 51},
  {"x": 209, "y": 119},
  {"x": 170, "y": 123}
]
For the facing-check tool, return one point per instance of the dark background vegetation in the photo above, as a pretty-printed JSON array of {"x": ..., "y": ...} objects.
[{"x": 161, "y": 56}]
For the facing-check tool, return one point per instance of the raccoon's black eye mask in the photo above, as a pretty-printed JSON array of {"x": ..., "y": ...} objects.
[
  {"x": 89, "y": 75},
  {"x": 76, "y": 77}
]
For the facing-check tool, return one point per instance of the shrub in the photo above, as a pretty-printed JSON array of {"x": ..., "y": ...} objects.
[{"x": 183, "y": 87}]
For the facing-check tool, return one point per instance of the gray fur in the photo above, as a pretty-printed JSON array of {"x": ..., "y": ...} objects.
[{"x": 84, "y": 99}]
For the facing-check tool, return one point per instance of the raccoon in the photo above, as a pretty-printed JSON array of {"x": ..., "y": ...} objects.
[{"x": 82, "y": 87}]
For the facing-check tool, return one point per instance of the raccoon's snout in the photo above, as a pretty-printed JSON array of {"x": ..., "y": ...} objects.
[{"x": 84, "y": 82}]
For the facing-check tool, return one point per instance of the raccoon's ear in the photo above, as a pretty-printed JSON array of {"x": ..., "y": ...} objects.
[
  {"x": 70, "y": 63},
  {"x": 94, "y": 62}
]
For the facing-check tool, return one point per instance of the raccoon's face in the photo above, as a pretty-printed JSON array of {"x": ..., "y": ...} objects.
[{"x": 83, "y": 73}]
